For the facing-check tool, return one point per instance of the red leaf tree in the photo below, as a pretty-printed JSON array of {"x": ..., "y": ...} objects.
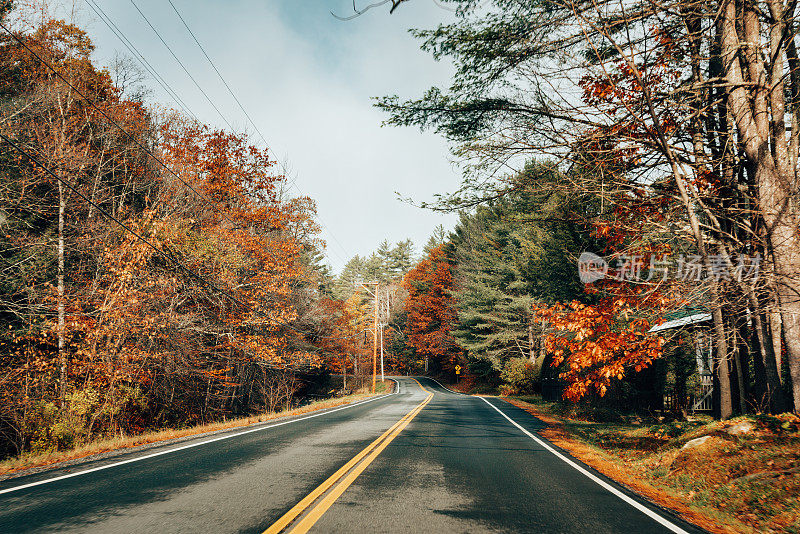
[{"x": 431, "y": 310}]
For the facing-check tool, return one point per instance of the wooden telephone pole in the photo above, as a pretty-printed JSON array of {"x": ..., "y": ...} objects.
[
  {"x": 374, "y": 329},
  {"x": 375, "y": 338}
]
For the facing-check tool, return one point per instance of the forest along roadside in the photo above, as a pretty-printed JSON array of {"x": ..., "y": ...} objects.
[
  {"x": 739, "y": 475},
  {"x": 35, "y": 462}
]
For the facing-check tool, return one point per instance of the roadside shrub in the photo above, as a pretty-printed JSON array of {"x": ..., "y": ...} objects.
[
  {"x": 604, "y": 415},
  {"x": 505, "y": 390},
  {"x": 86, "y": 414},
  {"x": 520, "y": 375},
  {"x": 50, "y": 428}
]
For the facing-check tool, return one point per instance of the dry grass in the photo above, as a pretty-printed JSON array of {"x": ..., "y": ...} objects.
[
  {"x": 746, "y": 483},
  {"x": 29, "y": 460}
]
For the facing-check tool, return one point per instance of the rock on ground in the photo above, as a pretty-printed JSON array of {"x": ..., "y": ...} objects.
[
  {"x": 740, "y": 428},
  {"x": 694, "y": 443}
]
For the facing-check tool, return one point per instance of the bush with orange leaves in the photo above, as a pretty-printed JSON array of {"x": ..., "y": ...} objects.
[{"x": 597, "y": 343}]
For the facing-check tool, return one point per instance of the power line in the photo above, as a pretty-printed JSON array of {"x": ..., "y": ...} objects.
[
  {"x": 213, "y": 105},
  {"x": 140, "y": 57},
  {"x": 165, "y": 85},
  {"x": 115, "y": 123},
  {"x": 228, "y": 87},
  {"x": 103, "y": 210},
  {"x": 208, "y": 201},
  {"x": 169, "y": 257},
  {"x": 183, "y": 66},
  {"x": 247, "y": 115}
]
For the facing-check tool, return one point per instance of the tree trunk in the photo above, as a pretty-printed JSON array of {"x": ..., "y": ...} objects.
[
  {"x": 62, "y": 356},
  {"x": 740, "y": 369},
  {"x": 776, "y": 330},
  {"x": 531, "y": 344},
  {"x": 776, "y": 193},
  {"x": 721, "y": 365},
  {"x": 772, "y": 384},
  {"x": 790, "y": 319},
  {"x": 764, "y": 143}
]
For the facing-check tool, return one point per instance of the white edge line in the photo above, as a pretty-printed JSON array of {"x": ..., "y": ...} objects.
[
  {"x": 645, "y": 510},
  {"x": 445, "y": 387},
  {"x": 191, "y": 445}
]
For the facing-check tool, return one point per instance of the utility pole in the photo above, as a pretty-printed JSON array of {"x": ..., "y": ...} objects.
[
  {"x": 374, "y": 331},
  {"x": 382, "y": 377},
  {"x": 375, "y": 338},
  {"x": 386, "y": 312}
]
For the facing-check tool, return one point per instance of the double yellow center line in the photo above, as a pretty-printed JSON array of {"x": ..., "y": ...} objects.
[{"x": 318, "y": 501}]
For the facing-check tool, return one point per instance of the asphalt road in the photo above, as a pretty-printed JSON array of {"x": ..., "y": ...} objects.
[{"x": 421, "y": 460}]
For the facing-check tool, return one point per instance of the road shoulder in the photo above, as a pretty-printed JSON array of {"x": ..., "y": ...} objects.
[
  {"x": 135, "y": 445},
  {"x": 615, "y": 469}
]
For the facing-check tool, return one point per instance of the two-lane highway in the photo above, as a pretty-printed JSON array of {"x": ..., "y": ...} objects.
[{"x": 421, "y": 460}]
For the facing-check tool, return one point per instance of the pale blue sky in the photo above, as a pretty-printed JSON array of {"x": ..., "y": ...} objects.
[{"x": 306, "y": 80}]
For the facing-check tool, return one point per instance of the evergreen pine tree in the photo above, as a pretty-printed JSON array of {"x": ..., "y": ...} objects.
[{"x": 509, "y": 255}]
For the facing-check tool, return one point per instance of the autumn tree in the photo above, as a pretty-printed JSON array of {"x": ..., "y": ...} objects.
[
  {"x": 688, "y": 102},
  {"x": 338, "y": 336},
  {"x": 431, "y": 313},
  {"x": 153, "y": 270}
]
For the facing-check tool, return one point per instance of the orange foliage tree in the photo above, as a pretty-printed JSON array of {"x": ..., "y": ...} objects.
[
  {"x": 601, "y": 342},
  {"x": 109, "y": 333},
  {"x": 259, "y": 232},
  {"x": 338, "y": 335},
  {"x": 431, "y": 312},
  {"x": 606, "y": 337}
]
